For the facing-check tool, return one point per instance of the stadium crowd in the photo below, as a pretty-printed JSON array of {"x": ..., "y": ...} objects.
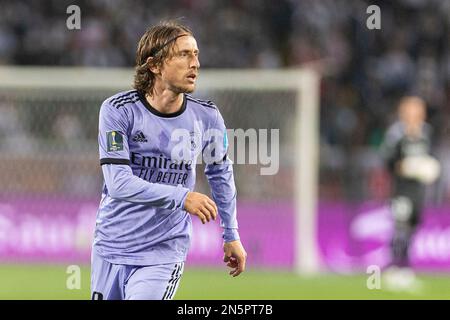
[{"x": 365, "y": 71}]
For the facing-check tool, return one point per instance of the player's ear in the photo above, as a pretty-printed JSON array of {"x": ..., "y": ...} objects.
[{"x": 152, "y": 66}]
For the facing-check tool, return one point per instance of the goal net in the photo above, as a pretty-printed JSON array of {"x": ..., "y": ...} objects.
[{"x": 51, "y": 179}]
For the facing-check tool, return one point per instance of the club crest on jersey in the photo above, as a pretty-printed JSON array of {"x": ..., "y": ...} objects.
[
  {"x": 114, "y": 141},
  {"x": 194, "y": 140}
]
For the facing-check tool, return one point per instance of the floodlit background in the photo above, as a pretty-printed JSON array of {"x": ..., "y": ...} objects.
[{"x": 50, "y": 179}]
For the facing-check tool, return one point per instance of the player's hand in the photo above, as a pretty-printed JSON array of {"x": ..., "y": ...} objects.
[
  {"x": 201, "y": 206},
  {"x": 235, "y": 256}
]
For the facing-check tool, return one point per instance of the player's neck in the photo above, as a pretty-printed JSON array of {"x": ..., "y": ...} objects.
[{"x": 165, "y": 101}]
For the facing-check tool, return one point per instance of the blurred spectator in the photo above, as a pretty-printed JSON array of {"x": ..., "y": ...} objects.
[{"x": 365, "y": 71}]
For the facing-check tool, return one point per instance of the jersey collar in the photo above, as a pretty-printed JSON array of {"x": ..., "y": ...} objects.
[{"x": 160, "y": 114}]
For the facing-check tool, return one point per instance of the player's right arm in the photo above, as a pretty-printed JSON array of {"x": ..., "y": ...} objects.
[
  {"x": 122, "y": 184},
  {"x": 114, "y": 129}
]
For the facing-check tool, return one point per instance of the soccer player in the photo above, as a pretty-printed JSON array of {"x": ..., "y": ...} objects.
[
  {"x": 149, "y": 140},
  {"x": 407, "y": 151}
]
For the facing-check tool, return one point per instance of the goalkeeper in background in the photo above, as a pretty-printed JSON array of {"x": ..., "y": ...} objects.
[{"x": 407, "y": 152}]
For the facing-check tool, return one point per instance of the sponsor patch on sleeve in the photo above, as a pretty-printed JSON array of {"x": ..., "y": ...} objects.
[{"x": 115, "y": 141}]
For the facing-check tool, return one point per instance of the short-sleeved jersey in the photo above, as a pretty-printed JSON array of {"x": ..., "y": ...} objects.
[{"x": 161, "y": 149}]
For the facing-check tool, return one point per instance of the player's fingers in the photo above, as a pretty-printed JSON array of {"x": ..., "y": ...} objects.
[
  {"x": 213, "y": 204},
  {"x": 242, "y": 262},
  {"x": 226, "y": 257},
  {"x": 240, "y": 266},
  {"x": 232, "y": 264},
  {"x": 200, "y": 215},
  {"x": 212, "y": 210},
  {"x": 206, "y": 213},
  {"x": 237, "y": 271}
]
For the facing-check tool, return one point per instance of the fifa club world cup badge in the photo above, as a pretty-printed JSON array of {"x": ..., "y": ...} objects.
[{"x": 115, "y": 141}]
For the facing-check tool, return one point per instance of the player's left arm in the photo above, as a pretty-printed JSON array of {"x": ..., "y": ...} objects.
[{"x": 219, "y": 172}]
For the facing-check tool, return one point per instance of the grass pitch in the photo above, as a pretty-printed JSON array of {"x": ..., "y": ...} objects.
[{"x": 50, "y": 282}]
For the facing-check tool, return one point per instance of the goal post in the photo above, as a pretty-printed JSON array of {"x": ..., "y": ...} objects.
[{"x": 303, "y": 84}]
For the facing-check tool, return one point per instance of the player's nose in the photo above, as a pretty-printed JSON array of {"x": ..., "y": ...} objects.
[{"x": 195, "y": 62}]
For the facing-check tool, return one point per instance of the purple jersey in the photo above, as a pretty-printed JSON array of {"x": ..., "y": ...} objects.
[{"x": 148, "y": 170}]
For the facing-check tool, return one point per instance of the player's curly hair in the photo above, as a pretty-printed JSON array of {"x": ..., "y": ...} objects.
[{"x": 157, "y": 42}]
